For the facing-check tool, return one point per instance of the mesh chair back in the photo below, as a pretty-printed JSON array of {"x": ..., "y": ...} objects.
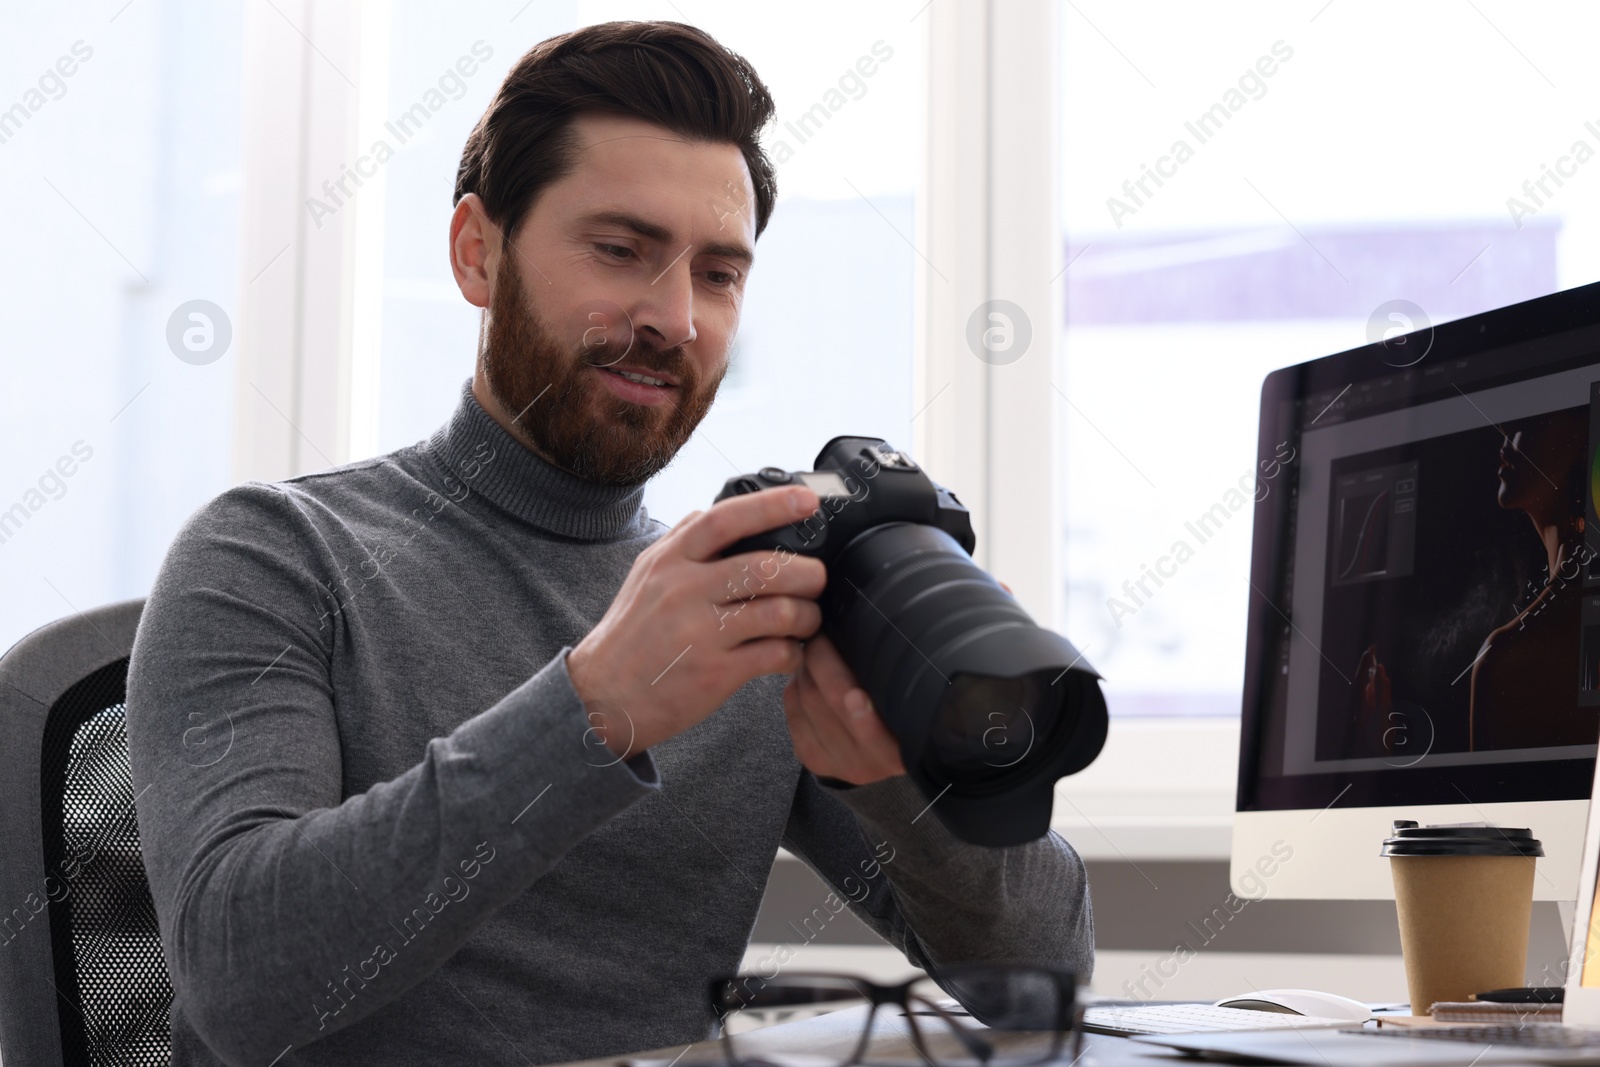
[
  {"x": 104, "y": 938},
  {"x": 82, "y": 978}
]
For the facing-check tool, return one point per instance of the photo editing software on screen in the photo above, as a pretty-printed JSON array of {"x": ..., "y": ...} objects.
[{"x": 1446, "y": 577}]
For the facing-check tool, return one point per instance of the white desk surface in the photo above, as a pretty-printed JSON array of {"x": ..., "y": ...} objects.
[{"x": 836, "y": 1033}]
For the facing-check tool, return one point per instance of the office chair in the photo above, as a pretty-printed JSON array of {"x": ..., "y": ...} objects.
[{"x": 82, "y": 978}]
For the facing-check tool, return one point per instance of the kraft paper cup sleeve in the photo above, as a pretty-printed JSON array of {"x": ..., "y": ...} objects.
[{"x": 1464, "y": 896}]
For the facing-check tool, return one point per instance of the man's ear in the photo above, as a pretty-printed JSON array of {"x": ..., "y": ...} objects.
[{"x": 474, "y": 250}]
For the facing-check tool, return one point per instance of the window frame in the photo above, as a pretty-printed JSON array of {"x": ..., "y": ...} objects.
[{"x": 989, "y": 225}]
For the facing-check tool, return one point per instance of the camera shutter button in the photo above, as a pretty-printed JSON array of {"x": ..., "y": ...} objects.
[{"x": 775, "y": 474}]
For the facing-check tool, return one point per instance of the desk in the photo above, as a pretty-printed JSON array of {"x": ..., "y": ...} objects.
[{"x": 837, "y": 1032}]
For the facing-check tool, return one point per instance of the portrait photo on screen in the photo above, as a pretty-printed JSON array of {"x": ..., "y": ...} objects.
[{"x": 1454, "y": 591}]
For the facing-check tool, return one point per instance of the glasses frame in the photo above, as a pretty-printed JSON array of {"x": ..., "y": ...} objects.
[{"x": 1070, "y": 1019}]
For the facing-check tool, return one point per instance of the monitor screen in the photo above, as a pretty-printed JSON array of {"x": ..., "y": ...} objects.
[{"x": 1425, "y": 587}]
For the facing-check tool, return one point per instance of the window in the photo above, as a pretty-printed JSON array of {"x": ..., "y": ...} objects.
[
  {"x": 120, "y": 162},
  {"x": 1254, "y": 191}
]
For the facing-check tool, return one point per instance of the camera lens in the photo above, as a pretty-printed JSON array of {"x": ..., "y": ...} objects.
[
  {"x": 989, "y": 708},
  {"x": 985, "y": 726}
]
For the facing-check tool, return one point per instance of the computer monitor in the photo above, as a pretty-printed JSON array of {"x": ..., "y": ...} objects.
[{"x": 1424, "y": 622}]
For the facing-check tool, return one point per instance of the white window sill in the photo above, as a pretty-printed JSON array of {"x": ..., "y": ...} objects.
[{"x": 1163, "y": 789}]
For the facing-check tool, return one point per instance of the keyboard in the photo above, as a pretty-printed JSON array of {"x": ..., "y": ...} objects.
[
  {"x": 1528, "y": 1035},
  {"x": 1197, "y": 1019}
]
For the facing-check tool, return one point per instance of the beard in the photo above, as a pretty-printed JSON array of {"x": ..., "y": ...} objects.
[{"x": 568, "y": 414}]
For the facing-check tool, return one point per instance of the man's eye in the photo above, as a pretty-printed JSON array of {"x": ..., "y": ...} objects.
[
  {"x": 721, "y": 277},
  {"x": 615, "y": 251}
]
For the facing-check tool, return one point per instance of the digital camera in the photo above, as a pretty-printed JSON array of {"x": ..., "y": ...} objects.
[{"x": 989, "y": 708}]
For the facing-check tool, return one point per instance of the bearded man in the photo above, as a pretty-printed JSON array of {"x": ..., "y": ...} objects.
[{"x": 505, "y": 769}]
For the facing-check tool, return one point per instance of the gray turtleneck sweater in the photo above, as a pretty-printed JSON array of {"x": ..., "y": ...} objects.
[{"x": 377, "y": 829}]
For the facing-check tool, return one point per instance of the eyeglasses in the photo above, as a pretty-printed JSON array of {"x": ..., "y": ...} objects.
[{"x": 1027, "y": 1010}]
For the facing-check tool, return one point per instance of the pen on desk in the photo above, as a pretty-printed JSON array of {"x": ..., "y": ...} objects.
[{"x": 1525, "y": 995}]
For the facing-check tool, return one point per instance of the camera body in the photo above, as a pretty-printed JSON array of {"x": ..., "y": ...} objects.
[
  {"x": 989, "y": 708},
  {"x": 861, "y": 482}
]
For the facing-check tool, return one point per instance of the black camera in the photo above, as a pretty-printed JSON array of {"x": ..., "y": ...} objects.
[{"x": 990, "y": 709}]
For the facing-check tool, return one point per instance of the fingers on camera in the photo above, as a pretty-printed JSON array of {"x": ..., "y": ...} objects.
[
  {"x": 743, "y": 516},
  {"x": 828, "y": 668},
  {"x": 769, "y": 655},
  {"x": 772, "y": 616},
  {"x": 755, "y": 574}
]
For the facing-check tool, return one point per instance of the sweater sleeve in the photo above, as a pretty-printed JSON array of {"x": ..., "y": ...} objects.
[
  {"x": 934, "y": 897},
  {"x": 268, "y": 882}
]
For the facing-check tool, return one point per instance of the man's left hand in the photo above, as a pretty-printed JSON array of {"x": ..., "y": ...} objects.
[{"x": 836, "y": 732}]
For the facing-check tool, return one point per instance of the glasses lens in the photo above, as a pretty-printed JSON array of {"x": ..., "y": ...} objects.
[
  {"x": 1028, "y": 1005},
  {"x": 751, "y": 1002}
]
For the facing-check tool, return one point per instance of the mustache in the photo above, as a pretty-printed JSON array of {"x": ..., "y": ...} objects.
[{"x": 651, "y": 357}]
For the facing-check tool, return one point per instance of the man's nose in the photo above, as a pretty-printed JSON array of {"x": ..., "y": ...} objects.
[{"x": 665, "y": 309}]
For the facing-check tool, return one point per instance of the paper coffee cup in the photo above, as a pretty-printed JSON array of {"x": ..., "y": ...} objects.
[{"x": 1465, "y": 895}]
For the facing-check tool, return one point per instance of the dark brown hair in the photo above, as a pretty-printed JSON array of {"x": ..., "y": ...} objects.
[{"x": 667, "y": 73}]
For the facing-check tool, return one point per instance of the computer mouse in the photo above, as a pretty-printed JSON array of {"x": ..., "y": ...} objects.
[{"x": 1300, "y": 1002}]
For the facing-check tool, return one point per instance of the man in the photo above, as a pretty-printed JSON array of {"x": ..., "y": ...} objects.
[{"x": 456, "y": 755}]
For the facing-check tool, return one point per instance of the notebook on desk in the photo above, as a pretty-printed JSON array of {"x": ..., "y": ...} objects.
[{"x": 1128, "y": 1020}]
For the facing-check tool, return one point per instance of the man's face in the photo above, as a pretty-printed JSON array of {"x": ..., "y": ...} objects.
[{"x": 613, "y": 310}]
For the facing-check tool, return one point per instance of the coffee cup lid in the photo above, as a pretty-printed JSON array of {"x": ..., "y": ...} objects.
[{"x": 1460, "y": 839}]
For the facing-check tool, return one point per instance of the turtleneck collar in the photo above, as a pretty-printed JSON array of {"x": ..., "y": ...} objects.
[{"x": 478, "y": 451}]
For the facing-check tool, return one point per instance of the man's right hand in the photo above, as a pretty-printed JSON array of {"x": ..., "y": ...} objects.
[{"x": 688, "y": 627}]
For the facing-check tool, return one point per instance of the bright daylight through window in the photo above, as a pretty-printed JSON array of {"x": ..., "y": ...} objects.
[{"x": 1232, "y": 205}]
